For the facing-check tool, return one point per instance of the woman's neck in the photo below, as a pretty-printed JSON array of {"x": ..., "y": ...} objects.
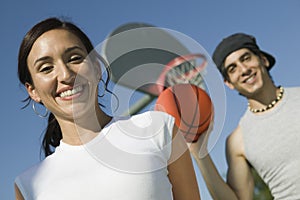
[{"x": 82, "y": 130}]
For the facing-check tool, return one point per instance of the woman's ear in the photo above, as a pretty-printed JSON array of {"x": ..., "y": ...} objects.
[
  {"x": 98, "y": 70},
  {"x": 32, "y": 92}
]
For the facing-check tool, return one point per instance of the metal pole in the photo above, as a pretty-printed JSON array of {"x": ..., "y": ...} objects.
[{"x": 139, "y": 105}]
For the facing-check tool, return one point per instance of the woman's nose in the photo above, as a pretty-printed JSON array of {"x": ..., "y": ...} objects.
[{"x": 66, "y": 74}]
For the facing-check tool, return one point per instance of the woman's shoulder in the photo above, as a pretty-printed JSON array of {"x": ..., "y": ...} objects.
[
  {"x": 37, "y": 169},
  {"x": 146, "y": 119},
  {"x": 25, "y": 179},
  {"x": 161, "y": 114},
  {"x": 146, "y": 127},
  {"x": 148, "y": 133},
  {"x": 31, "y": 171},
  {"x": 151, "y": 114}
]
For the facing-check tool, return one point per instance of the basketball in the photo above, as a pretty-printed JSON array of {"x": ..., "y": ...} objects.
[{"x": 191, "y": 107}]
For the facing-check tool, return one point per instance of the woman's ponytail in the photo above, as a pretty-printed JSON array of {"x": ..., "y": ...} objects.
[{"x": 52, "y": 136}]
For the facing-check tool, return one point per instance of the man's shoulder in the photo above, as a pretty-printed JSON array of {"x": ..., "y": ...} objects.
[
  {"x": 292, "y": 89},
  {"x": 292, "y": 93},
  {"x": 234, "y": 142}
]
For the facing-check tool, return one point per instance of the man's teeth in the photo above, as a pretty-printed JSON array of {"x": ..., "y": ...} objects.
[
  {"x": 71, "y": 92},
  {"x": 249, "y": 79}
]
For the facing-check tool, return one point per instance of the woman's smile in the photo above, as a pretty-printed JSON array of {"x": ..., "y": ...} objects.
[{"x": 70, "y": 93}]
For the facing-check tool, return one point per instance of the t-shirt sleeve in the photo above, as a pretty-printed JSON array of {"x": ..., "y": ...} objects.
[
  {"x": 165, "y": 137},
  {"x": 19, "y": 181},
  {"x": 26, "y": 181}
]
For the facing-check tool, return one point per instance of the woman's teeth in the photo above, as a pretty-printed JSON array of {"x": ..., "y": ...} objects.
[{"x": 71, "y": 92}]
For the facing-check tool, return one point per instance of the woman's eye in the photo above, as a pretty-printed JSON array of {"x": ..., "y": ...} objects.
[
  {"x": 46, "y": 69},
  {"x": 76, "y": 59}
]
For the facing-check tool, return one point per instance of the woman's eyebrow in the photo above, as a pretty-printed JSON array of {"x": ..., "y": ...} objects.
[
  {"x": 66, "y": 51},
  {"x": 42, "y": 59},
  {"x": 72, "y": 48}
]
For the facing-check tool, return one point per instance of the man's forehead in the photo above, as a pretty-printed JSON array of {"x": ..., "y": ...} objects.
[{"x": 236, "y": 55}]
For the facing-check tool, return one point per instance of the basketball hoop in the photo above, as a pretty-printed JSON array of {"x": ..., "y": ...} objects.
[{"x": 182, "y": 69}]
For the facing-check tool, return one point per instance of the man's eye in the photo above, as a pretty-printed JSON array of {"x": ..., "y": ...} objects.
[
  {"x": 231, "y": 69},
  {"x": 246, "y": 57}
]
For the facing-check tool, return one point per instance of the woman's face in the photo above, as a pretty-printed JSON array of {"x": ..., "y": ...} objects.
[{"x": 64, "y": 77}]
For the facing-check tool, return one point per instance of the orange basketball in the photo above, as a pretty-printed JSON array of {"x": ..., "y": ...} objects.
[{"x": 191, "y": 107}]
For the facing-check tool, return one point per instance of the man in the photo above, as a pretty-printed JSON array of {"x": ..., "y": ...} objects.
[{"x": 267, "y": 137}]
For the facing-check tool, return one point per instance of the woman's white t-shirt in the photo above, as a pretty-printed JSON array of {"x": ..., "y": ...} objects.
[{"x": 126, "y": 161}]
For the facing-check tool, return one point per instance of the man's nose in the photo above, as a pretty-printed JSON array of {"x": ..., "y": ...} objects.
[{"x": 244, "y": 69}]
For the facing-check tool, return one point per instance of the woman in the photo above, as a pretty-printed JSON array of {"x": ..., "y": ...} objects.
[{"x": 90, "y": 155}]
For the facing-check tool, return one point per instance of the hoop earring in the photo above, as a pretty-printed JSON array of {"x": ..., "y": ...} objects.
[
  {"x": 104, "y": 89},
  {"x": 37, "y": 113}
]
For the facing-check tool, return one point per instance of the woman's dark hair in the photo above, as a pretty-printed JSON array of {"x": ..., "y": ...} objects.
[{"x": 53, "y": 133}]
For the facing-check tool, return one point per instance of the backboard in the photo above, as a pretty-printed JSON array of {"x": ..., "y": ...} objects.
[{"x": 138, "y": 54}]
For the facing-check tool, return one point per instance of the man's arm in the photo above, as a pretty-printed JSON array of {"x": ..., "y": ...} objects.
[
  {"x": 239, "y": 176},
  {"x": 239, "y": 180}
]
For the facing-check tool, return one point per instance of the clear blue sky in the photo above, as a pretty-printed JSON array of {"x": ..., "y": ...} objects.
[{"x": 274, "y": 23}]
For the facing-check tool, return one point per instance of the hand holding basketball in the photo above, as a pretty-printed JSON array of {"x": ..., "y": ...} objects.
[
  {"x": 190, "y": 105},
  {"x": 199, "y": 149}
]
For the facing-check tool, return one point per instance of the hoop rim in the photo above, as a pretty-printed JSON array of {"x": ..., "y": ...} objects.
[
  {"x": 175, "y": 62},
  {"x": 181, "y": 59}
]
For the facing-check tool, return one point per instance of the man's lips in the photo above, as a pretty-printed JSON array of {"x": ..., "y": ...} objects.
[{"x": 250, "y": 78}]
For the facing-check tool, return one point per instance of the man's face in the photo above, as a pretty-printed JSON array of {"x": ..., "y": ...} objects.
[{"x": 246, "y": 71}]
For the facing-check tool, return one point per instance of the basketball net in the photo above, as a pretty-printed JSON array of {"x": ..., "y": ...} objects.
[{"x": 183, "y": 69}]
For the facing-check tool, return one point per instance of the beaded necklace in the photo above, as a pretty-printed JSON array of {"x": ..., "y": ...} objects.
[{"x": 271, "y": 105}]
